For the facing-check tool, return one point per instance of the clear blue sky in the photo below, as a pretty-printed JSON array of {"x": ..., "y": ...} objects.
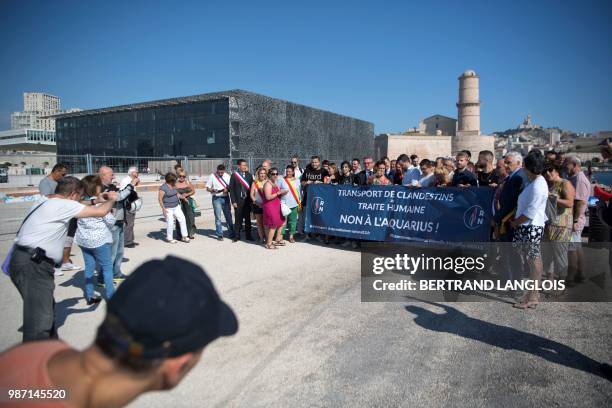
[{"x": 391, "y": 63}]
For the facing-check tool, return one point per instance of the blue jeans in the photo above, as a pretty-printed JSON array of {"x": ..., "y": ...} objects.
[
  {"x": 102, "y": 257},
  {"x": 117, "y": 250},
  {"x": 222, "y": 205}
]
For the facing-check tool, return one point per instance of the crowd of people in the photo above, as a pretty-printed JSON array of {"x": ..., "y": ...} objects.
[{"x": 537, "y": 197}]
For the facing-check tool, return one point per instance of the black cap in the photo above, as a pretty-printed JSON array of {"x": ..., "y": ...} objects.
[{"x": 170, "y": 307}]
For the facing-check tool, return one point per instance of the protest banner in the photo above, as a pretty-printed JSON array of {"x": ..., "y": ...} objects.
[{"x": 397, "y": 213}]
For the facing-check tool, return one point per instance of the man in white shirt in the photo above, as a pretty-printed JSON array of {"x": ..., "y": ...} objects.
[
  {"x": 39, "y": 246},
  {"x": 128, "y": 226},
  {"x": 218, "y": 186},
  {"x": 412, "y": 174},
  {"x": 427, "y": 169},
  {"x": 297, "y": 170}
]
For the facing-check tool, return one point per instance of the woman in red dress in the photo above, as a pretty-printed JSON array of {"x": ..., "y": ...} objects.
[{"x": 272, "y": 217}]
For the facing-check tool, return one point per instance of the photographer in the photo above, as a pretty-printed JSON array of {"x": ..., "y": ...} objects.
[
  {"x": 106, "y": 175},
  {"x": 39, "y": 246}
]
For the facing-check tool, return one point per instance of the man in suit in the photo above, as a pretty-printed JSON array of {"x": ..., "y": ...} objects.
[
  {"x": 364, "y": 175},
  {"x": 239, "y": 188},
  {"x": 508, "y": 199}
]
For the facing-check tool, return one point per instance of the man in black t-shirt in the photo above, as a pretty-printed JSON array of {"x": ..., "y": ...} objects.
[
  {"x": 313, "y": 174},
  {"x": 462, "y": 177},
  {"x": 486, "y": 174}
]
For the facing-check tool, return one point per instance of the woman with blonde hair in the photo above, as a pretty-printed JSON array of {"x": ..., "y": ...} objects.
[{"x": 441, "y": 177}]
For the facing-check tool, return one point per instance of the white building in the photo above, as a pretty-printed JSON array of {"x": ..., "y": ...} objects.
[
  {"x": 39, "y": 102},
  {"x": 27, "y": 140},
  {"x": 38, "y": 107}
]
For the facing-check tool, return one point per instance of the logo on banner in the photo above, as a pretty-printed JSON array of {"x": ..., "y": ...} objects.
[
  {"x": 318, "y": 205},
  {"x": 473, "y": 217}
]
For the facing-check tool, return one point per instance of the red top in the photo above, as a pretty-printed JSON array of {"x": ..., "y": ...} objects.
[
  {"x": 24, "y": 367},
  {"x": 602, "y": 194}
]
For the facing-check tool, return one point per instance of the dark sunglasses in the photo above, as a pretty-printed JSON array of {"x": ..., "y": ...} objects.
[{"x": 274, "y": 174}]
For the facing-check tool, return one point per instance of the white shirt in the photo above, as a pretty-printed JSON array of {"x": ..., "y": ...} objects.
[
  {"x": 532, "y": 202},
  {"x": 215, "y": 184},
  {"x": 93, "y": 232},
  {"x": 124, "y": 182},
  {"x": 288, "y": 198},
  {"x": 48, "y": 226},
  {"x": 411, "y": 176}
]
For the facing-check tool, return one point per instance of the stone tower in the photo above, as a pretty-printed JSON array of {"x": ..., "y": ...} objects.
[
  {"x": 468, "y": 135},
  {"x": 468, "y": 106}
]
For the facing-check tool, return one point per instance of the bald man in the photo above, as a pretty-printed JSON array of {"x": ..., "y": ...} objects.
[{"x": 107, "y": 175}]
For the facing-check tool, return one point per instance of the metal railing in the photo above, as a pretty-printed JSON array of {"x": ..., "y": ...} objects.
[{"x": 26, "y": 170}]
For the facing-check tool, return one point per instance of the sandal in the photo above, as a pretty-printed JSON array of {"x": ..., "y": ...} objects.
[
  {"x": 171, "y": 241},
  {"x": 271, "y": 246},
  {"x": 292, "y": 240},
  {"x": 280, "y": 243}
]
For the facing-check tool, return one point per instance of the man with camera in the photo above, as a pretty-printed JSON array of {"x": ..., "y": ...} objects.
[
  {"x": 107, "y": 175},
  {"x": 39, "y": 246}
]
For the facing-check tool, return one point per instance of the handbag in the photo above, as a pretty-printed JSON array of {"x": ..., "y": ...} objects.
[
  {"x": 194, "y": 206},
  {"x": 285, "y": 210}
]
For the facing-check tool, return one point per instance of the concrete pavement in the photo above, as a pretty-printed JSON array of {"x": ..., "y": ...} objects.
[{"x": 305, "y": 338}]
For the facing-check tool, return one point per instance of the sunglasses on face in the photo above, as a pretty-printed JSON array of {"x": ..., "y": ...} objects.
[
  {"x": 507, "y": 162},
  {"x": 274, "y": 174}
]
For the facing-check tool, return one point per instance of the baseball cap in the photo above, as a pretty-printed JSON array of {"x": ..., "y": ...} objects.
[{"x": 170, "y": 307}]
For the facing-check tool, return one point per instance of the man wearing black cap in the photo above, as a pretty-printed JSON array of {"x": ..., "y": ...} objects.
[{"x": 157, "y": 325}]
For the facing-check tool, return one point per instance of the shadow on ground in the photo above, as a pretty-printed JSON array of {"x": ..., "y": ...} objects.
[
  {"x": 65, "y": 308},
  {"x": 458, "y": 323}
]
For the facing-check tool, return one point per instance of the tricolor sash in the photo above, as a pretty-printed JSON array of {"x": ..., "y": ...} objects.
[
  {"x": 294, "y": 193},
  {"x": 242, "y": 180},
  {"x": 259, "y": 187},
  {"x": 220, "y": 180}
]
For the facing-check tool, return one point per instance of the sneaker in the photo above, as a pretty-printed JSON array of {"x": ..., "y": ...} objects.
[
  {"x": 69, "y": 266},
  {"x": 93, "y": 300},
  {"x": 58, "y": 272},
  {"x": 119, "y": 279},
  {"x": 219, "y": 238},
  {"x": 185, "y": 240}
]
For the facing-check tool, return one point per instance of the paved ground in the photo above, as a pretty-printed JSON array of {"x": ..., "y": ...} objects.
[{"x": 305, "y": 338}]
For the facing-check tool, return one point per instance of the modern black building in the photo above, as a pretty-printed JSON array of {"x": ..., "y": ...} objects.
[{"x": 229, "y": 124}]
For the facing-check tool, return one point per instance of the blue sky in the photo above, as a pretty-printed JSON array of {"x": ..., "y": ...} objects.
[{"x": 391, "y": 63}]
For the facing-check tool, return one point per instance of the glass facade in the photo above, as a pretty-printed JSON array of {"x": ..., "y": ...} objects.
[{"x": 184, "y": 129}]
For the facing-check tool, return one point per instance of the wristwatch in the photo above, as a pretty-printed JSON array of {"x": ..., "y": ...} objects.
[{"x": 93, "y": 201}]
